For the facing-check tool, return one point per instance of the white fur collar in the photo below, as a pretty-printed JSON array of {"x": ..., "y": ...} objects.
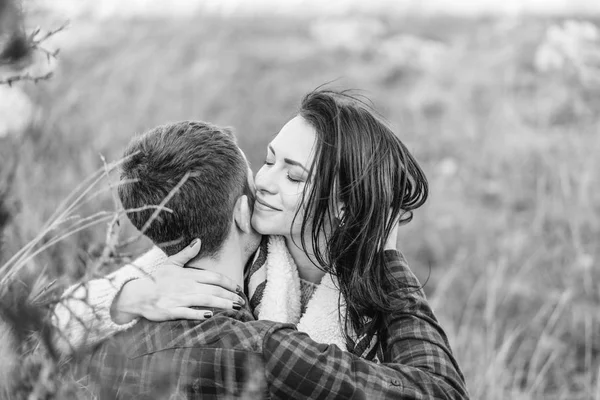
[
  {"x": 281, "y": 298},
  {"x": 322, "y": 317}
]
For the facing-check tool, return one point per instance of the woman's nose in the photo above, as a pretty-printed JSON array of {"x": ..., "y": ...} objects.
[{"x": 265, "y": 181}]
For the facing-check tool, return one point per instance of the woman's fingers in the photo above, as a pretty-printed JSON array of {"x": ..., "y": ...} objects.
[
  {"x": 211, "y": 301},
  {"x": 212, "y": 278},
  {"x": 217, "y": 291},
  {"x": 185, "y": 255},
  {"x": 190, "y": 313},
  {"x": 200, "y": 276}
]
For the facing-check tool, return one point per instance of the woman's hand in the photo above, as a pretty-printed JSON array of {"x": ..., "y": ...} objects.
[{"x": 170, "y": 292}]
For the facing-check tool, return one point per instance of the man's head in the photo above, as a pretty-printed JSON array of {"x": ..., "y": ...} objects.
[{"x": 213, "y": 175}]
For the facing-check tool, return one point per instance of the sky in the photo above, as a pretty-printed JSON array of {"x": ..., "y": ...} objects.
[{"x": 111, "y": 8}]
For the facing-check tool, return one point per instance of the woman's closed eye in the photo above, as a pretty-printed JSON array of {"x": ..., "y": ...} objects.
[{"x": 293, "y": 178}]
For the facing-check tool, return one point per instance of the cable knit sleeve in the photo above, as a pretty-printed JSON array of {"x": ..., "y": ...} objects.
[{"x": 82, "y": 317}]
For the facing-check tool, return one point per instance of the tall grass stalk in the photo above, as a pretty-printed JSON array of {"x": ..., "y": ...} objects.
[{"x": 27, "y": 302}]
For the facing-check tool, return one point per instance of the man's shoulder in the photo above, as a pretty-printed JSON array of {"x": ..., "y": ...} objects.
[
  {"x": 221, "y": 331},
  {"x": 199, "y": 359}
]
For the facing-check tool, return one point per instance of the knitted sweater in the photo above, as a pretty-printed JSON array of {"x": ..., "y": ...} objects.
[
  {"x": 307, "y": 289},
  {"x": 82, "y": 317}
]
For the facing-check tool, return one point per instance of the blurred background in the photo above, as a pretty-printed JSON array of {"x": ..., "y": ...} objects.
[{"x": 498, "y": 100}]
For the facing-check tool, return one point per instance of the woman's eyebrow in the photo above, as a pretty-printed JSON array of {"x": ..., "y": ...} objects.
[
  {"x": 289, "y": 161},
  {"x": 296, "y": 163}
]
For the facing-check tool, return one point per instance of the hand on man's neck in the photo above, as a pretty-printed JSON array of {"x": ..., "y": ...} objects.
[{"x": 230, "y": 262}]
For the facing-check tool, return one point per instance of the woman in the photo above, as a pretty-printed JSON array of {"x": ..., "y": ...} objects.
[{"x": 335, "y": 184}]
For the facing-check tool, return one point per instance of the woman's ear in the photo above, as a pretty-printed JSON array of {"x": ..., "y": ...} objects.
[
  {"x": 338, "y": 206},
  {"x": 242, "y": 214},
  {"x": 340, "y": 209}
]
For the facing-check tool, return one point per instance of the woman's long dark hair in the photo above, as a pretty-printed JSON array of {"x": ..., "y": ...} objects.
[{"x": 360, "y": 164}]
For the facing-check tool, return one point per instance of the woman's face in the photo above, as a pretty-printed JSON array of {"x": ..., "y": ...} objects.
[{"x": 282, "y": 179}]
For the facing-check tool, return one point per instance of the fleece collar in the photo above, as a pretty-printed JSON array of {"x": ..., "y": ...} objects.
[{"x": 281, "y": 297}]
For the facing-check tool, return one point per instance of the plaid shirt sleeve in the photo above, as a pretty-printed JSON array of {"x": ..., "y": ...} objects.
[
  {"x": 418, "y": 362},
  {"x": 213, "y": 359}
]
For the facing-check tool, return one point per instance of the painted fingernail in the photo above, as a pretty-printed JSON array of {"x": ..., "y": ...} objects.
[
  {"x": 194, "y": 242},
  {"x": 236, "y": 306},
  {"x": 239, "y": 289},
  {"x": 208, "y": 314}
]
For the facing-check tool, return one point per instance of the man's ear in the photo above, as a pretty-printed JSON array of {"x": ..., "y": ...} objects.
[{"x": 242, "y": 214}]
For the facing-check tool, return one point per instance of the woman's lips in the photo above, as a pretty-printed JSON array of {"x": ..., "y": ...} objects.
[{"x": 263, "y": 205}]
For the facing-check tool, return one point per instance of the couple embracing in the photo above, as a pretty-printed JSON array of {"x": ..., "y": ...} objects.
[{"x": 285, "y": 285}]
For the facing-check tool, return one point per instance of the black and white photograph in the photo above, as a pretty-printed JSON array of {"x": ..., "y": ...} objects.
[{"x": 300, "y": 199}]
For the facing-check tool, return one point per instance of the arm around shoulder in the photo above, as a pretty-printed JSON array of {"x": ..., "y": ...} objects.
[{"x": 298, "y": 367}]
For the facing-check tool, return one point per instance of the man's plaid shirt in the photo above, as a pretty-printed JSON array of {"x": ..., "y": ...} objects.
[{"x": 231, "y": 355}]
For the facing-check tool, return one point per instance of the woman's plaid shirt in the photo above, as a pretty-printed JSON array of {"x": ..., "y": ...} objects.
[{"x": 231, "y": 355}]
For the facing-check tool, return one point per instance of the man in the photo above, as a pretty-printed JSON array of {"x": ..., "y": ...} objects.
[{"x": 229, "y": 355}]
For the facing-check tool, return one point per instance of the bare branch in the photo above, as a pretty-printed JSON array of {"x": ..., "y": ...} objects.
[
  {"x": 25, "y": 77},
  {"x": 36, "y": 41}
]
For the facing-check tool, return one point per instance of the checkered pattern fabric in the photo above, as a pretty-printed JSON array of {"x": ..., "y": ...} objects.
[
  {"x": 231, "y": 356},
  {"x": 212, "y": 359}
]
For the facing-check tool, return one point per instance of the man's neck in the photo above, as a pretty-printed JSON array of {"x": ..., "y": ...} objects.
[{"x": 228, "y": 262}]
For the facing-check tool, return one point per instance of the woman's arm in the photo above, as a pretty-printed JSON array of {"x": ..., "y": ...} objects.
[
  {"x": 83, "y": 316},
  {"x": 297, "y": 367},
  {"x": 414, "y": 337},
  {"x": 153, "y": 286}
]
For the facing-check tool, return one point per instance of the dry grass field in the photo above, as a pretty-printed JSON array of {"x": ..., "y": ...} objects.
[{"x": 509, "y": 241}]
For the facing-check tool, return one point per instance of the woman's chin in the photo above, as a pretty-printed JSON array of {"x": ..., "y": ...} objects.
[{"x": 261, "y": 226}]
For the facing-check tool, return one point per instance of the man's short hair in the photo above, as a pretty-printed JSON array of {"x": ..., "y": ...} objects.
[{"x": 217, "y": 175}]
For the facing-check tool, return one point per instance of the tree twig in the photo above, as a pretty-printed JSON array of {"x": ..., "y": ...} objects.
[{"x": 26, "y": 77}]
